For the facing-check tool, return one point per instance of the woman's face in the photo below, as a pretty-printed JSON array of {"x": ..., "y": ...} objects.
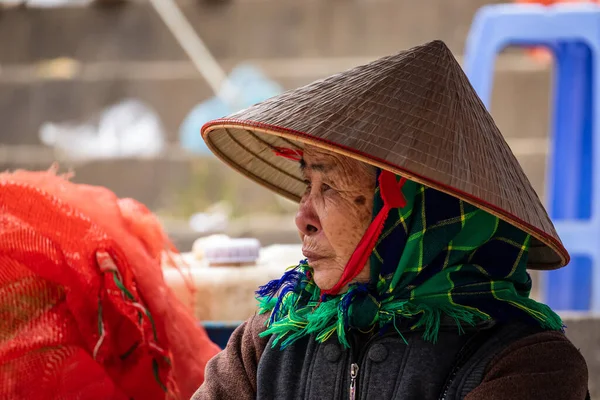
[{"x": 334, "y": 212}]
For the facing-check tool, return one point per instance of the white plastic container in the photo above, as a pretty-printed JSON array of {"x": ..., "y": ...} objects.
[
  {"x": 227, "y": 292},
  {"x": 232, "y": 252}
]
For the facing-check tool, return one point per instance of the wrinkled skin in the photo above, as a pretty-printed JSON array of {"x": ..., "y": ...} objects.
[{"x": 334, "y": 213}]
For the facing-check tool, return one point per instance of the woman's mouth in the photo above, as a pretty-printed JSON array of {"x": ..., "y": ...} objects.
[{"x": 311, "y": 256}]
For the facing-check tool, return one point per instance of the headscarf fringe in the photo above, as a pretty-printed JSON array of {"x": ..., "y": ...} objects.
[
  {"x": 277, "y": 290},
  {"x": 333, "y": 317}
]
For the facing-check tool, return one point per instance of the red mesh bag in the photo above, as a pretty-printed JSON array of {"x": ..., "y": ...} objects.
[{"x": 84, "y": 310}]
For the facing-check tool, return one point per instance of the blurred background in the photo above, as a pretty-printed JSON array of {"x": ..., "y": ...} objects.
[
  {"x": 106, "y": 88},
  {"x": 116, "y": 91}
]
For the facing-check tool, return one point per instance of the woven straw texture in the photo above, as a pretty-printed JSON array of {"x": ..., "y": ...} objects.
[{"x": 415, "y": 114}]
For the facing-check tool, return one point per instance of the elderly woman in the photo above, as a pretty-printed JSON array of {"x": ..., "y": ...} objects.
[{"x": 417, "y": 225}]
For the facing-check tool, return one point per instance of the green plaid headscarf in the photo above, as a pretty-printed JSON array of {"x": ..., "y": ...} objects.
[{"x": 437, "y": 256}]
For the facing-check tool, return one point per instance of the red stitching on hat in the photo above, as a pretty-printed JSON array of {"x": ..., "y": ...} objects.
[{"x": 290, "y": 154}]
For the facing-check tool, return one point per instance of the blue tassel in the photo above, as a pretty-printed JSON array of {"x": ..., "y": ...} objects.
[
  {"x": 280, "y": 287},
  {"x": 289, "y": 278},
  {"x": 269, "y": 289}
]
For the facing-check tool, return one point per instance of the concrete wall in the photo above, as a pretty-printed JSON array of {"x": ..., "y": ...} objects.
[
  {"x": 128, "y": 52},
  {"x": 244, "y": 29}
]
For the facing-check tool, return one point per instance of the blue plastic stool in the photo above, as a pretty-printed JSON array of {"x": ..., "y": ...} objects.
[{"x": 572, "y": 32}]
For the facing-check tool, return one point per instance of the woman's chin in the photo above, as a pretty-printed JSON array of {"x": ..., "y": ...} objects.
[{"x": 326, "y": 278}]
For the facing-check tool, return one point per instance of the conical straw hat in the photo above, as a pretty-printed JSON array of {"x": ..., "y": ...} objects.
[{"x": 415, "y": 114}]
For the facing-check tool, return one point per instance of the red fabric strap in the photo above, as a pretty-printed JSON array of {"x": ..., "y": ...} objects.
[{"x": 391, "y": 193}]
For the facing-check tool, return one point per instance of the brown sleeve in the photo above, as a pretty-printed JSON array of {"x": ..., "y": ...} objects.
[
  {"x": 231, "y": 374},
  {"x": 544, "y": 366}
]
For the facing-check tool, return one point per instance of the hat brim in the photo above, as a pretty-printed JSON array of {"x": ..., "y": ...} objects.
[{"x": 248, "y": 147}]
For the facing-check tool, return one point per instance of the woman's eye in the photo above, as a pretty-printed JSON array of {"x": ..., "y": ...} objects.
[
  {"x": 325, "y": 187},
  {"x": 308, "y": 185}
]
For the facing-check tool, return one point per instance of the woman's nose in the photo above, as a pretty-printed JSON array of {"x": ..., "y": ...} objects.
[{"x": 307, "y": 219}]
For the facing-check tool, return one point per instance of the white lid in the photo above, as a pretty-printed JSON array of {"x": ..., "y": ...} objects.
[
  {"x": 200, "y": 244},
  {"x": 232, "y": 251}
]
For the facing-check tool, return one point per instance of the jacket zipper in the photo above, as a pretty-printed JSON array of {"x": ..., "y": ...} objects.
[
  {"x": 447, "y": 387},
  {"x": 356, "y": 360},
  {"x": 455, "y": 368},
  {"x": 463, "y": 355},
  {"x": 353, "y": 377}
]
